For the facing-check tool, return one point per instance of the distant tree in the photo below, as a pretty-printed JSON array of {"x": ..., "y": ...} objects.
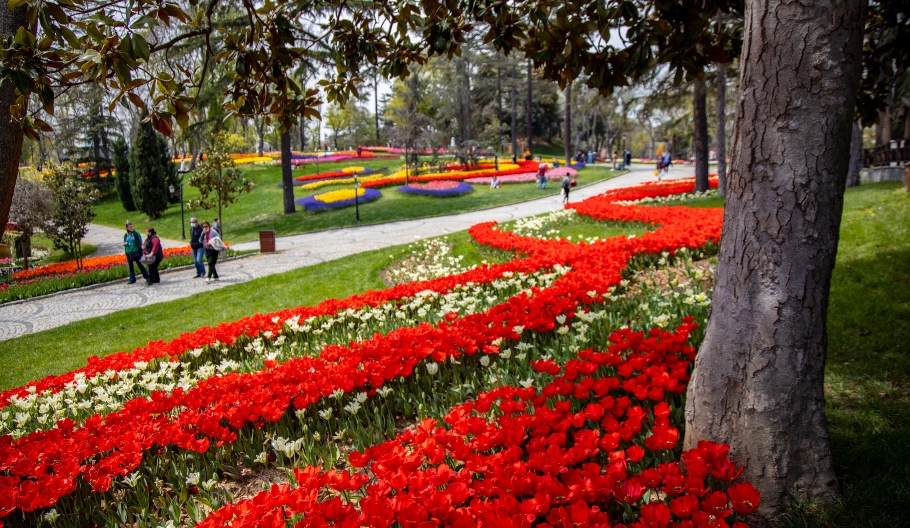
[
  {"x": 72, "y": 209},
  {"x": 32, "y": 210},
  {"x": 219, "y": 182},
  {"x": 149, "y": 177},
  {"x": 168, "y": 168},
  {"x": 122, "y": 183}
]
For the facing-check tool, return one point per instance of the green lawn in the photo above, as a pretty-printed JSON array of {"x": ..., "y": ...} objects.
[
  {"x": 868, "y": 371},
  {"x": 58, "y": 255},
  {"x": 263, "y": 209}
]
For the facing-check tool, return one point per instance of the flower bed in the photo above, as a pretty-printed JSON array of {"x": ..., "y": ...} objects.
[
  {"x": 572, "y": 420},
  {"x": 337, "y": 199},
  {"x": 440, "y": 189},
  {"x": 89, "y": 264}
]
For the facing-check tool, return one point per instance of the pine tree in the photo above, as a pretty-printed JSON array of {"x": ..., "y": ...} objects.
[
  {"x": 122, "y": 177},
  {"x": 168, "y": 168},
  {"x": 150, "y": 192}
]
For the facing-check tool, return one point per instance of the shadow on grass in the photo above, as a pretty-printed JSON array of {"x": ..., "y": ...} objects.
[{"x": 867, "y": 388}]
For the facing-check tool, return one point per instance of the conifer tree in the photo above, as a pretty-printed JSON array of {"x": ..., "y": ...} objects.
[
  {"x": 149, "y": 179},
  {"x": 122, "y": 177}
]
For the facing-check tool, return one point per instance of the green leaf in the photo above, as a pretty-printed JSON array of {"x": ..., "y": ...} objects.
[
  {"x": 141, "y": 47},
  {"x": 13, "y": 4}
]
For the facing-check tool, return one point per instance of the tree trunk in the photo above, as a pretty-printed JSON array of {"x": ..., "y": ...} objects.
[
  {"x": 502, "y": 147},
  {"x": 700, "y": 116},
  {"x": 856, "y": 156},
  {"x": 10, "y": 131},
  {"x": 376, "y": 105},
  {"x": 260, "y": 131},
  {"x": 567, "y": 147},
  {"x": 301, "y": 130},
  {"x": 883, "y": 128},
  {"x": 722, "y": 129},
  {"x": 528, "y": 116},
  {"x": 514, "y": 114},
  {"x": 758, "y": 379},
  {"x": 287, "y": 181}
]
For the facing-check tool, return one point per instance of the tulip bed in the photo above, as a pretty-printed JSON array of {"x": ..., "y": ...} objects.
[{"x": 545, "y": 391}]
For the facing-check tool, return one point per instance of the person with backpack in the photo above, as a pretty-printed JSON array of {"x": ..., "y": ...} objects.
[
  {"x": 566, "y": 183},
  {"x": 213, "y": 247},
  {"x": 132, "y": 246},
  {"x": 198, "y": 247},
  {"x": 155, "y": 253}
]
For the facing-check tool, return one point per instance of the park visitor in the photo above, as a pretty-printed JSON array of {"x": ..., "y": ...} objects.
[
  {"x": 153, "y": 249},
  {"x": 132, "y": 246},
  {"x": 213, "y": 244},
  {"x": 668, "y": 162},
  {"x": 198, "y": 247},
  {"x": 566, "y": 183},
  {"x": 494, "y": 183},
  {"x": 216, "y": 225},
  {"x": 542, "y": 176},
  {"x": 627, "y": 158}
]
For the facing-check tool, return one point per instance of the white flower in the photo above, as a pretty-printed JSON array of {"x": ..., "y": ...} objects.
[
  {"x": 384, "y": 391},
  {"x": 562, "y": 330},
  {"x": 209, "y": 484},
  {"x": 352, "y": 407},
  {"x": 51, "y": 516},
  {"x": 192, "y": 479},
  {"x": 262, "y": 458},
  {"x": 132, "y": 479},
  {"x": 361, "y": 397},
  {"x": 505, "y": 353},
  {"x": 337, "y": 393},
  {"x": 485, "y": 361},
  {"x": 432, "y": 368},
  {"x": 561, "y": 318},
  {"x": 518, "y": 329},
  {"x": 326, "y": 414},
  {"x": 526, "y": 383}
]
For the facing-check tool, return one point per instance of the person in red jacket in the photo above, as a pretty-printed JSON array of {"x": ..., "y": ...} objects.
[{"x": 153, "y": 248}]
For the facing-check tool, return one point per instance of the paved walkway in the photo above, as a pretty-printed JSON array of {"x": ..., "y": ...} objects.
[
  {"x": 109, "y": 240},
  {"x": 26, "y": 317}
]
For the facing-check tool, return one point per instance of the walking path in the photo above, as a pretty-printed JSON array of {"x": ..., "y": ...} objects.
[
  {"x": 26, "y": 317},
  {"x": 109, "y": 240}
]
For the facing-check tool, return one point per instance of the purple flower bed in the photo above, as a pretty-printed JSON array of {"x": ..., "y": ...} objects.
[
  {"x": 310, "y": 203},
  {"x": 461, "y": 188}
]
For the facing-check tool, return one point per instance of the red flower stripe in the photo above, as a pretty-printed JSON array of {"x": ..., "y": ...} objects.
[
  {"x": 527, "y": 457},
  {"x": 88, "y": 264}
]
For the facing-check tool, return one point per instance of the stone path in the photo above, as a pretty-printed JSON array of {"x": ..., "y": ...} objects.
[
  {"x": 34, "y": 315},
  {"x": 109, "y": 240}
]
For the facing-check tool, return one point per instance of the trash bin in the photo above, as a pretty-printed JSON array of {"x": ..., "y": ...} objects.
[{"x": 267, "y": 241}]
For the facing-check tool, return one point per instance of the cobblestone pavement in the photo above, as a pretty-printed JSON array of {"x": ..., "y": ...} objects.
[
  {"x": 34, "y": 315},
  {"x": 109, "y": 240}
]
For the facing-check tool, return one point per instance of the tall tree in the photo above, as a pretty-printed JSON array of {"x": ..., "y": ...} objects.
[
  {"x": 122, "y": 180},
  {"x": 567, "y": 137},
  {"x": 11, "y": 129},
  {"x": 721, "y": 136},
  {"x": 514, "y": 113},
  {"x": 856, "y": 156},
  {"x": 529, "y": 116},
  {"x": 700, "y": 117},
  {"x": 758, "y": 379},
  {"x": 219, "y": 182},
  {"x": 149, "y": 177},
  {"x": 287, "y": 179}
]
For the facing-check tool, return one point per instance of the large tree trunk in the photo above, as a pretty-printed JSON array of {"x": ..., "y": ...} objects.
[
  {"x": 10, "y": 131},
  {"x": 722, "y": 129},
  {"x": 287, "y": 180},
  {"x": 376, "y": 105},
  {"x": 758, "y": 379},
  {"x": 856, "y": 156},
  {"x": 883, "y": 127},
  {"x": 568, "y": 134},
  {"x": 528, "y": 116},
  {"x": 502, "y": 147},
  {"x": 463, "y": 93},
  {"x": 514, "y": 113},
  {"x": 700, "y": 116}
]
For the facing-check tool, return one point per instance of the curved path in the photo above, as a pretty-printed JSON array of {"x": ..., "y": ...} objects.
[{"x": 43, "y": 313}]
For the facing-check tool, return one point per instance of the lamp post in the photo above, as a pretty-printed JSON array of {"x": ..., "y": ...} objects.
[
  {"x": 356, "y": 201},
  {"x": 180, "y": 197}
]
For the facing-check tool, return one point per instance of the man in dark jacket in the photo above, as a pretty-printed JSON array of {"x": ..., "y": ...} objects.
[{"x": 196, "y": 243}]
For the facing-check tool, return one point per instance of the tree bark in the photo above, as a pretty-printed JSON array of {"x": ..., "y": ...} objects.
[
  {"x": 700, "y": 115},
  {"x": 502, "y": 147},
  {"x": 376, "y": 105},
  {"x": 568, "y": 134},
  {"x": 758, "y": 379},
  {"x": 856, "y": 156},
  {"x": 528, "y": 115},
  {"x": 722, "y": 129},
  {"x": 514, "y": 114},
  {"x": 10, "y": 131},
  {"x": 287, "y": 181}
]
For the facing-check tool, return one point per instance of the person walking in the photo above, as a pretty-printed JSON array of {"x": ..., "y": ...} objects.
[
  {"x": 668, "y": 162},
  {"x": 212, "y": 245},
  {"x": 566, "y": 183},
  {"x": 154, "y": 250},
  {"x": 627, "y": 158},
  {"x": 542, "y": 176},
  {"x": 216, "y": 225},
  {"x": 132, "y": 246},
  {"x": 198, "y": 247}
]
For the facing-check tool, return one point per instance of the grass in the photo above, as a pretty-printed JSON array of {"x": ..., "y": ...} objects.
[
  {"x": 868, "y": 371},
  {"x": 57, "y": 255},
  {"x": 262, "y": 209}
]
